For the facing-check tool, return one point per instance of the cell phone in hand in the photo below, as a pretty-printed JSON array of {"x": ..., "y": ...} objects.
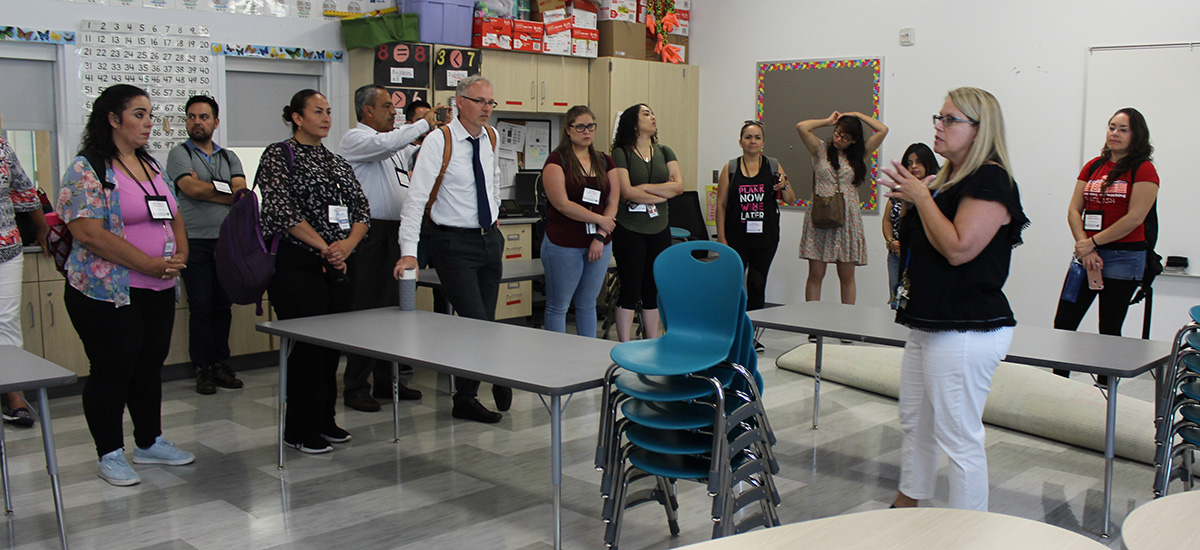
[{"x": 443, "y": 114}]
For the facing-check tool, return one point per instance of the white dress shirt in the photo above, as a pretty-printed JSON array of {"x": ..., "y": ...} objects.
[
  {"x": 376, "y": 159},
  {"x": 455, "y": 205}
]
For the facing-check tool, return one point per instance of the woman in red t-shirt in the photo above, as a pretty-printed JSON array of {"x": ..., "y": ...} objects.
[
  {"x": 582, "y": 188},
  {"x": 1106, "y": 217}
]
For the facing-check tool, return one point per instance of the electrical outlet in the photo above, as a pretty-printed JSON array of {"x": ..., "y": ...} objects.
[{"x": 908, "y": 36}]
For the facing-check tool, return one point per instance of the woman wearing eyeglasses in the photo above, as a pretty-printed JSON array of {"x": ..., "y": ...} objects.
[
  {"x": 840, "y": 167},
  {"x": 956, "y": 244},
  {"x": 583, "y": 190},
  {"x": 649, "y": 175},
  {"x": 748, "y": 192},
  {"x": 1107, "y": 218},
  {"x": 920, "y": 162}
]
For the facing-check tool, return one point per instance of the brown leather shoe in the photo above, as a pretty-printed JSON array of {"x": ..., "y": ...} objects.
[
  {"x": 362, "y": 402},
  {"x": 204, "y": 380},
  {"x": 224, "y": 377}
]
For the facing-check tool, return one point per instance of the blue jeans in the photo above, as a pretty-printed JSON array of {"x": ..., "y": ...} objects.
[
  {"x": 1125, "y": 265},
  {"x": 209, "y": 313},
  {"x": 570, "y": 276},
  {"x": 893, "y": 263}
]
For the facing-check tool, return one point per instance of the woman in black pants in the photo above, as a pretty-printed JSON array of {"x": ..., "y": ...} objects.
[
  {"x": 649, "y": 175},
  {"x": 1107, "y": 215},
  {"x": 748, "y": 192},
  {"x": 312, "y": 198}
]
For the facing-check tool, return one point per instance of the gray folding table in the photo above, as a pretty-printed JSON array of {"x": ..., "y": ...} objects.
[
  {"x": 547, "y": 363},
  {"x": 24, "y": 371},
  {"x": 1113, "y": 356}
]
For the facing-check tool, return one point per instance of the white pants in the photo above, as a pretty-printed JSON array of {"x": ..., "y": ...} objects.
[
  {"x": 944, "y": 382},
  {"x": 11, "y": 273}
]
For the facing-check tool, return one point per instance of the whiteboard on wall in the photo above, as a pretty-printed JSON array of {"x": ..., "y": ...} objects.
[{"x": 1163, "y": 83}]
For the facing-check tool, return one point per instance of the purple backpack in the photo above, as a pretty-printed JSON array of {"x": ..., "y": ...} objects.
[{"x": 245, "y": 265}]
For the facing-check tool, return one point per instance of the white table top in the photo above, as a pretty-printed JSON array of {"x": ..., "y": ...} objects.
[
  {"x": 909, "y": 528},
  {"x": 1038, "y": 346},
  {"x": 25, "y": 371},
  {"x": 539, "y": 361},
  {"x": 1164, "y": 523}
]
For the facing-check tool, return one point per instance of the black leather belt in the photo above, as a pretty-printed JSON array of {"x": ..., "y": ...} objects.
[{"x": 465, "y": 230}]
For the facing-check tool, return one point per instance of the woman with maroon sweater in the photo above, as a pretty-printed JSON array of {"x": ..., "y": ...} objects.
[{"x": 582, "y": 188}]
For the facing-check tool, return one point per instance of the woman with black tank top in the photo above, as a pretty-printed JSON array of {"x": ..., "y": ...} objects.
[{"x": 748, "y": 192}]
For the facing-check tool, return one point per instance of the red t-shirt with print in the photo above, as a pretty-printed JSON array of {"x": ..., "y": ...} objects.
[{"x": 1114, "y": 199}]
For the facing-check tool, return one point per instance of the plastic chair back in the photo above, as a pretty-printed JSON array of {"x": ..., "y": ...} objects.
[{"x": 701, "y": 295}]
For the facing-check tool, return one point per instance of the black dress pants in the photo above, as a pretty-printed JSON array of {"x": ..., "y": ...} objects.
[
  {"x": 468, "y": 265},
  {"x": 301, "y": 289},
  {"x": 371, "y": 268}
]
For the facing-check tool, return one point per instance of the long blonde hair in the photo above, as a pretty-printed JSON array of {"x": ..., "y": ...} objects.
[{"x": 982, "y": 107}]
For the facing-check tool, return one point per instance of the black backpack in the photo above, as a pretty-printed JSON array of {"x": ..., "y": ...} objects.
[{"x": 1154, "y": 266}]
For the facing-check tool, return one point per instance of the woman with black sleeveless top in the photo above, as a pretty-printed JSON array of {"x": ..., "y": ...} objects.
[{"x": 748, "y": 192}]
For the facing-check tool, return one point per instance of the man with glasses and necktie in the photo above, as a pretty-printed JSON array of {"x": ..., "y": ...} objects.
[{"x": 459, "y": 190}]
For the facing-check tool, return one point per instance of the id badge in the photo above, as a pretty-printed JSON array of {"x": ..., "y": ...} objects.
[
  {"x": 637, "y": 207},
  {"x": 159, "y": 209},
  {"x": 590, "y": 228},
  {"x": 652, "y": 210},
  {"x": 1093, "y": 220},
  {"x": 168, "y": 249},
  {"x": 222, "y": 187},
  {"x": 340, "y": 215},
  {"x": 591, "y": 196},
  {"x": 754, "y": 226}
]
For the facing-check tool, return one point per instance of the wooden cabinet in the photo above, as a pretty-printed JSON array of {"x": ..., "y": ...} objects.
[
  {"x": 31, "y": 317},
  {"x": 60, "y": 343},
  {"x": 243, "y": 338},
  {"x": 532, "y": 83},
  {"x": 517, "y": 242},
  {"x": 672, "y": 91}
]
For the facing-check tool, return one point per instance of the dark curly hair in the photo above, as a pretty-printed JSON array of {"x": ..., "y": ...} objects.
[
  {"x": 627, "y": 128},
  {"x": 97, "y": 141},
  {"x": 1139, "y": 150}
]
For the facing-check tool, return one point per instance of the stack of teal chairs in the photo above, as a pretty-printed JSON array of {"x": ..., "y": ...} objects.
[
  {"x": 688, "y": 405},
  {"x": 1177, "y": 408}
]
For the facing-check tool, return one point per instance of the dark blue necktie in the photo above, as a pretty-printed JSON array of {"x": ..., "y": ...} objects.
[{"x": 481, "y": 198}]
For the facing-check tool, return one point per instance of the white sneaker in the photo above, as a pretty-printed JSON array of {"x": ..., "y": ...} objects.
[
  {"x": 162, "y": 452},
  {"x": 113, "y": 468}
]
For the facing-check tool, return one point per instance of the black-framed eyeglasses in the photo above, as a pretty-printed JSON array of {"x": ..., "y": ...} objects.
[
  {"x": 581, "y": 128},
  {"x": 948, "y": 121},
  {"x": 490, "y": 102}
]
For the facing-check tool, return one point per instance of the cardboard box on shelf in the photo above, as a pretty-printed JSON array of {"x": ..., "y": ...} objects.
[
  {"x": 539, "y": 9},
  {"x": 679, "y": 41},
  {"x": 618, "y": 10},
  {"x": 583, "y": 14},
  {"x": 684, "y": 17},
  {"x": 622, "y": 39},
  {"x": 584, "y": 42},
  {"x": 527, "y": 36},
  {"x": 557, "y": 38},
  {"x": 683, "y": 5},
  {"x": 492, "y": 32}
]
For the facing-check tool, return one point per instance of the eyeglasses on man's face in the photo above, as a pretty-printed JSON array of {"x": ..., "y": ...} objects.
[
  {"x": 950, "y": 120},
  {"x": 581, "y": 128},
  {"x": 489, "y": 102}
]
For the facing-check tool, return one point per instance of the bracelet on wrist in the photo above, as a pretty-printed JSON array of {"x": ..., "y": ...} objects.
[
  {"x": 598, "y": 237},
  {"x": 1094, "y": 243}
]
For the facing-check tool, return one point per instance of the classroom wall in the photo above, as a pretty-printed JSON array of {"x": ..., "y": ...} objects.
[{"x": 1031, "y": 55}]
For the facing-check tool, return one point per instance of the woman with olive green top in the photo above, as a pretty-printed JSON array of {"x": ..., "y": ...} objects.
[{"x": 649, "y": 175}]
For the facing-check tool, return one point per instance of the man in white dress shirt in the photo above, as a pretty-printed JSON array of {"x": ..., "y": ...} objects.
[
  {"x": 466, "y": 240},
  {"x": 373, "y": 149}
]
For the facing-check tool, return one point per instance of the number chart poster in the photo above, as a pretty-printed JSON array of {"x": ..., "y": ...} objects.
[
  {"x": 453, "y": 64},
  {"x": 170, "y": 62}
]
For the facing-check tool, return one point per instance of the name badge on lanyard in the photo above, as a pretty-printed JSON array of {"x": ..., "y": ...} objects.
[
  {"x": 340, "y": 215},
  {"x": 159, "y": 208},
  {"x": 652, "y": 210},
  {"x": 1093, "y": 220},
  {"x": 754, "y": 226},
  {"x": 222, "y": 187},
  {"x": 591, "y": 196}
]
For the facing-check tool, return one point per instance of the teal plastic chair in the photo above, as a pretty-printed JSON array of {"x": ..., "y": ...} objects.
[{"x": 1178, "y": 396}]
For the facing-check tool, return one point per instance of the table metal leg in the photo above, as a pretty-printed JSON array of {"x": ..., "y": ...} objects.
[
  {"x": 51, "y": 463},
  {"x": 8, "y": 508},
  {"x": 556, "y": 466},
  {"x": 1110, "y": 431},
  {"x": 396, "y": 401},
  {"x": 817, "y": 381},
  {"x": 285, "y": 348}
]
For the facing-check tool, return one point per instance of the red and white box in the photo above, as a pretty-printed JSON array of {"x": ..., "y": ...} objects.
[
  {"x": 557, "y": 38},
  {"x": 684, "y": 17},
  {"x": 583, "y": 14},
  {"x": 618, "y": 10},
  {"x": 585, "y": 42},
  {"x": 492, "y": 32},
  {"x": 683, "y": 5},
  {"x": 527, "y": 36}
]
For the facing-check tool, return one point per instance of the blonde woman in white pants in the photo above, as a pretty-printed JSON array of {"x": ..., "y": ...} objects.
[{"x": 956, "y": 246}]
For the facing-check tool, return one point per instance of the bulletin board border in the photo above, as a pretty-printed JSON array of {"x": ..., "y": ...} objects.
[
  {"x": 42, "y": 36},
  {"x": 277, "y": 52}
]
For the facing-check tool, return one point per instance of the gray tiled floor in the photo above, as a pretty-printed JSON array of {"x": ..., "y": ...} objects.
[{"x": 451, "y": 484}]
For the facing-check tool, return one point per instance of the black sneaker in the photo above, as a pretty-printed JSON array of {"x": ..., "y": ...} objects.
[
  {"x": 404, "y": 393},
  {"x": 334, "y": 434},
  {"x": 224, "y": 376},
  {"x": 758, "y": 347},
  {"x": 311, "y": 444},
  {"x": 204, "y": 380},
  {"x": 18, "y": 417},
  {"x": 472, "y": 409}
]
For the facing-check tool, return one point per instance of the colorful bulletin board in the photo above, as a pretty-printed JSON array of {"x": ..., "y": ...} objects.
[{"x": 792, "y": 91}]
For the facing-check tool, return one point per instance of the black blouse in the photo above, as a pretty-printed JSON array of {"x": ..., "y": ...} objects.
[
  {"x": 968, "y": 297},
  {"x": 317, "y": 180}
]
